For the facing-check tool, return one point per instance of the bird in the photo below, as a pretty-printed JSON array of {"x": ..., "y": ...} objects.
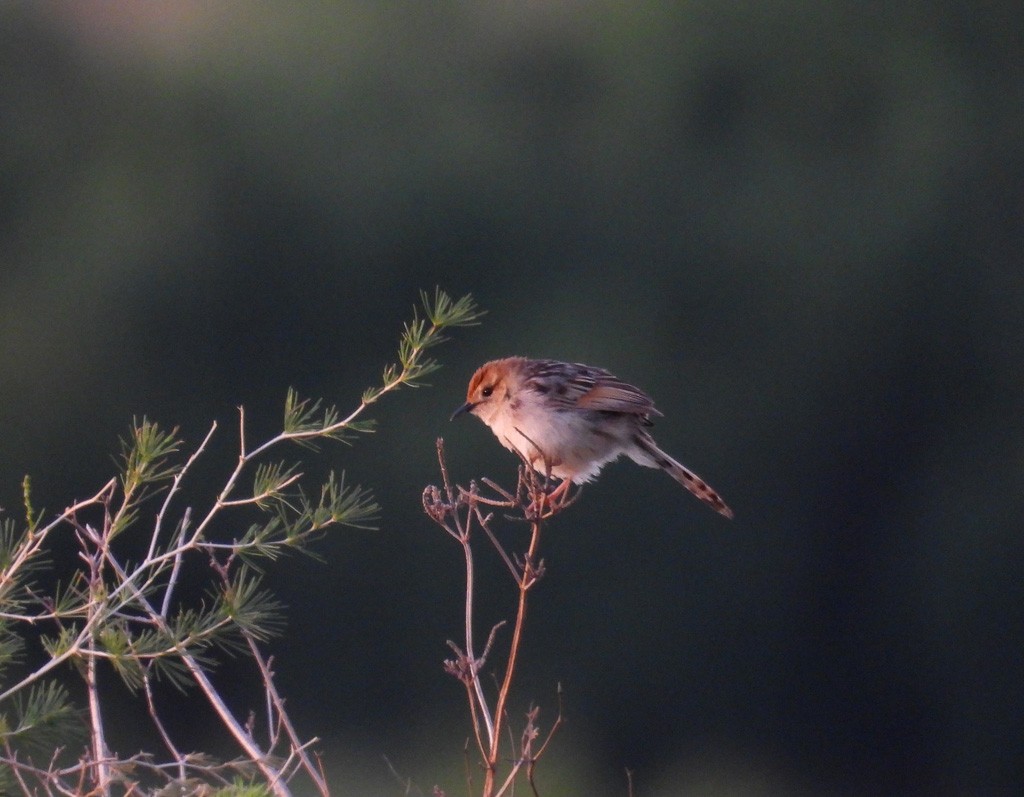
[{"x": 570, "y": 420}]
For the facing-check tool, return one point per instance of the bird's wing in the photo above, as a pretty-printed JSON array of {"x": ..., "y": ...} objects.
[{"x": 586, "y": 387}]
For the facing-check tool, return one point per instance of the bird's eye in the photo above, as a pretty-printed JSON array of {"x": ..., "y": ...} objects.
[{"x": 486, "y": 392}]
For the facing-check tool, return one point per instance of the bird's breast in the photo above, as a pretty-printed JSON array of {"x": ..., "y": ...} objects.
[{"x": 576, "y": 444}]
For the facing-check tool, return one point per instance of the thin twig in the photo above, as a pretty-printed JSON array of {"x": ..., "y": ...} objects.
[
  {"x": 551, "y": 733},
  {"x": 486, "y": 526},
  {"x": 298, "y": 748},
  {"x": 172, "y": 580},
  {"x": 155, "y": 717},
  {"x": 175, "y": 486}
]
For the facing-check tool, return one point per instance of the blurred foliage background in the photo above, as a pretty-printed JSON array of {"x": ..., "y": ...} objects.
[{"x": 797, "y": 225}]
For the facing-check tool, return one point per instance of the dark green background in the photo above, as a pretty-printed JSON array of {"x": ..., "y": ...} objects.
[{"x": 798, "y": 226}]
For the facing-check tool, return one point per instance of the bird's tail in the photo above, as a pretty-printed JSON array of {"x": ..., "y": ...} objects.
[{"x": 686, "y": 477}]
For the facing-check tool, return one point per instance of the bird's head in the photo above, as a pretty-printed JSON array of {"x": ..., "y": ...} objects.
[{"x": 488, "y": 389}]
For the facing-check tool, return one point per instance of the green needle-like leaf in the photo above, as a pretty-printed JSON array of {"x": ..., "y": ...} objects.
[
  {"x": 270, "y": 481},
  {"x": 252, "y": 609},
  {"x": 145, "y": 455},
  {"x": 339, "y": 503},
  {"x": 444, "y": 312},
  {"x": 42, "y": 720}
]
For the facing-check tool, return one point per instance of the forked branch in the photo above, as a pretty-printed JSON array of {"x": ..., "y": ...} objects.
[{"x": 459, "y": 511}]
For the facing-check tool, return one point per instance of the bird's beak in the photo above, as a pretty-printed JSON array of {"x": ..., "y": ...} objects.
[{"x": 467, "y": 407}]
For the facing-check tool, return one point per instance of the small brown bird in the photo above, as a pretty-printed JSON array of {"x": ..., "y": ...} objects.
[{"x": 579, "y": 417}]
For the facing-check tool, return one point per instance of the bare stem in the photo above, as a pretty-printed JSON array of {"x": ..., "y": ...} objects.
[
  {"x": 526, "y": 580},
  {"x": 95, "y": 607},
  {"x": 474, "y": 663},
  {"x": 99, "y": 745}
]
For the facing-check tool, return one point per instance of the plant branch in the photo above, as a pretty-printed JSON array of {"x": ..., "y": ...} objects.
[{"x": 455, "y": 509}]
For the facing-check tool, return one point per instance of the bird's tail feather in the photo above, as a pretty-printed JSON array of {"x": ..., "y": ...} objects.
[{"x": 686, "y": 477}]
